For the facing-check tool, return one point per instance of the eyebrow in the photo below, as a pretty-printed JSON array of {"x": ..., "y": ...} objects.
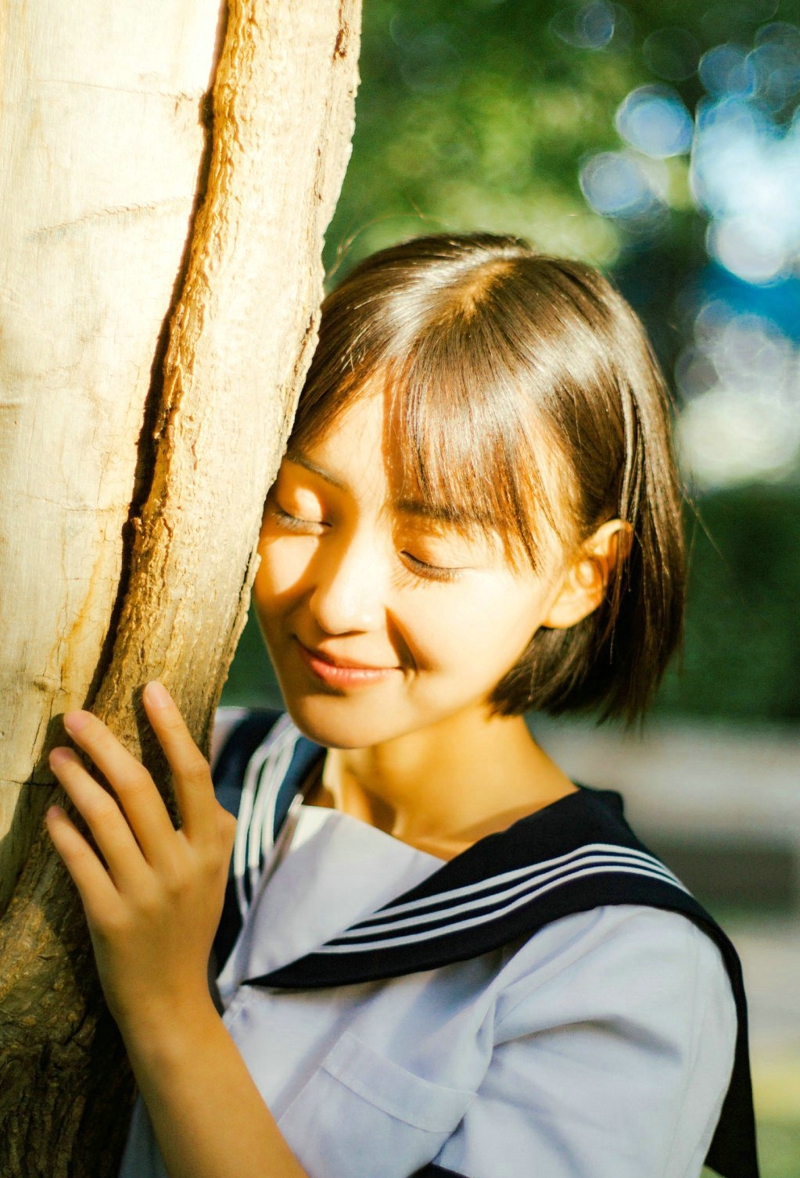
[
  {"x": 301, "y": 460},
  {"x": 456, "y": 517},
  {"x": 445, "y": 513}
]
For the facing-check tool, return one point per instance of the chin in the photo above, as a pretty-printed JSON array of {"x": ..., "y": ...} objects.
[{"x": 333, "y": 721}]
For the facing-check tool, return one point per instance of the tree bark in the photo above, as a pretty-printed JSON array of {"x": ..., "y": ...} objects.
[
  {"x": 132, "y": 503},
  {"x": 102, "y": 136}
]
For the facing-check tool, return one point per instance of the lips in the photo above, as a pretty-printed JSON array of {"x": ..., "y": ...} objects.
[
  {"x": 335, "y": 661},
  {"x": 341, "y": 674}
]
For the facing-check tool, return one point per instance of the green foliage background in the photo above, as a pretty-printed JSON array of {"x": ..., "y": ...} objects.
[{"x": 474, "y": 114}]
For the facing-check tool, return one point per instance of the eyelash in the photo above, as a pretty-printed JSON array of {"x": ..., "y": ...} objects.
[
  {"x": 294, "y": 523},
  {"x": 430, "y": 572}
]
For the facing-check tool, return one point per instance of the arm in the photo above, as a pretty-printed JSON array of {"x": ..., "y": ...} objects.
[
  {"x": 152, "y": 908},
  {"x": 185, "y": 1070}
]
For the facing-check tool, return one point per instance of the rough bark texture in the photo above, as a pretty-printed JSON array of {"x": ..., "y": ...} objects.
[
  {"x": 102, "y": 136},
  {"x": 213, "y": 429}
]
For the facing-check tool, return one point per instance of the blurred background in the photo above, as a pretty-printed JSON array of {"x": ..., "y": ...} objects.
[{"x": 660, "y": 141}]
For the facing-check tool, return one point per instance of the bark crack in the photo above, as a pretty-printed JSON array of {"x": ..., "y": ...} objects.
[
  {"x": 153, "y": 206},
  {"x": 172, "y": 95},
  {"x": 147, "y": 442}
]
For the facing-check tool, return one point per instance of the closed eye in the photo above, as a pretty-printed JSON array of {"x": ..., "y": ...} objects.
[
  {"x": 433, "y": 572},
  {"x": 295, "y": 523}
]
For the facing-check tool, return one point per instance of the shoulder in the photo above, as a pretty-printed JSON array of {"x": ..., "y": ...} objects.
[
  {"x": 621, "y": 964},
  {"x": 614, "y": 1039}
]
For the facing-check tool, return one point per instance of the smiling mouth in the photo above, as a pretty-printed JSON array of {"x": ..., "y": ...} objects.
[{"x": 341, "y": 672}]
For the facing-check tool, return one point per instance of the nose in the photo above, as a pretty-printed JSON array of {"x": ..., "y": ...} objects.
[{"x": 350, "y": 581}]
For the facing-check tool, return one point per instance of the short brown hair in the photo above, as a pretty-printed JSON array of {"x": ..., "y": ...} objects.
[{"x": 487, "y": 348}]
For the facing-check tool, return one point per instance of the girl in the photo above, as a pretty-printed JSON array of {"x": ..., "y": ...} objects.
[{"x": 440, "y": 955}]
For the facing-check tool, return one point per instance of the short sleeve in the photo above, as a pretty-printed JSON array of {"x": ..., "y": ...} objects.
[{"x": 613, "y": 1050}]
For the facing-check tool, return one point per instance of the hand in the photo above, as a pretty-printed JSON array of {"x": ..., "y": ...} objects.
[{"x": 153, "y": 906}]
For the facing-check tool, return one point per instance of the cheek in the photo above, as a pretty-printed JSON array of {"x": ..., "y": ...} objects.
[
  {"x": 479, "y": 633},
  {"x": 279, "y": 583},
  {"x": 283, "y": 568},
  {"x": 501, "y": 639}
]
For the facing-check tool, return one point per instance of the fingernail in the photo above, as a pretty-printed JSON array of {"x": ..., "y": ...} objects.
[
  {"x": 55, "y": 812},
  {"x": 157, "y": 694},
  {"x": 74, "y": 721}
]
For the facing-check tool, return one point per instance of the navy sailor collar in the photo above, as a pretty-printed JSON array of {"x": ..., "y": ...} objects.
[{"x": 573, "y": 855}]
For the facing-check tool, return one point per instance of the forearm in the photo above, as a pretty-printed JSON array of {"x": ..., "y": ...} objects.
[
  {"x": 207, "y": 1114},
  {"x": 152, "y": 898}
]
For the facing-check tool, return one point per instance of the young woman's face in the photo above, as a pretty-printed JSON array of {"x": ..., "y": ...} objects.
[{"x": 379, "y": 620}]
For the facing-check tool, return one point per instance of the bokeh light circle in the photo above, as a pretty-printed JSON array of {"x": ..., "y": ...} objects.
[
  {"x": 655, "y": 121},
  {"x": 615, "y": 185},
  {"x": 727, "y": 69},
  {"x": 587, "y": 26},
  {"x": 672, "y": 54}
]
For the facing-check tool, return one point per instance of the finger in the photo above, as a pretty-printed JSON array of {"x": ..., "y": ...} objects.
[
  {"x": 191, "y": 774},
  {"x": 143, "y": 805},
  {"x": 97, "y": 891},
  {"x": 110, "y": 830}
]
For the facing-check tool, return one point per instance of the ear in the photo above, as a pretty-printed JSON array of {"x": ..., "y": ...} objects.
[{"x": 588, "y": 574}]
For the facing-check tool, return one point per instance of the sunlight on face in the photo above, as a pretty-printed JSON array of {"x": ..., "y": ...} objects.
[{"x": 380, "y": 620}]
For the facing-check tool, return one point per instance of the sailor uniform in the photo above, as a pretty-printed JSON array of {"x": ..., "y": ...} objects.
[{"x": 399, "y": 1017}]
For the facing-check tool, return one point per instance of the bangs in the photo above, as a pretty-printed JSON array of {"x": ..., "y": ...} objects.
[
  {"x": 464, "y": 441},
  {"x": 462, "y": 451}
]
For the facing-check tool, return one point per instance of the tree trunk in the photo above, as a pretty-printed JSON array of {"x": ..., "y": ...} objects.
[{"x": 159, "y": 289}]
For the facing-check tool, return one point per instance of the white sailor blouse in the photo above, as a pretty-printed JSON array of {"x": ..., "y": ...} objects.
[{"x": 551, "y": 1002}]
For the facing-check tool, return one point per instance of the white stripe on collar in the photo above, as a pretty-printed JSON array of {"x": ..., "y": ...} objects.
[
  {"x": 265, "y": 771},
  {"x": 503, "y": 884},
  {"x": 532, "y": 891}
]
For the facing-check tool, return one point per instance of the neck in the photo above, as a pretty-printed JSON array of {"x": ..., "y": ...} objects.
[{"x": 443, "y": 787}]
